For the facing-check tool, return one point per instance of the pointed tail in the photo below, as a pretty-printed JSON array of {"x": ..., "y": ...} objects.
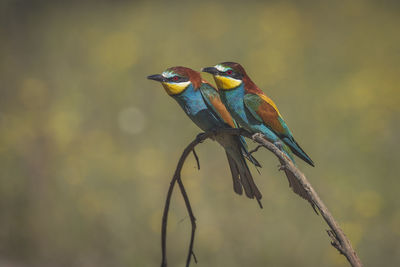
[
  {"x": 246, "y": 179},
  {"x": 237, "y": 185},
  {"x": 248, "y": 183},
  {"x": 241, "y": 176},
  {"x": 297, "y": 150}
]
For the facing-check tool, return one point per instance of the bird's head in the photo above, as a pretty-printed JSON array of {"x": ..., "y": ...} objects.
[
  {"x": 227, "y": 75},
  {"x": 175, "y": 80}
]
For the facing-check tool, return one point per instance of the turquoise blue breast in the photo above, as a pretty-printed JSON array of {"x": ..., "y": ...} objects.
[{"x": 193, "y": 104}]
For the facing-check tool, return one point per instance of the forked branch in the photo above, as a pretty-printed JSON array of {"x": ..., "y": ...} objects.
[{"x": 339, "y": 239}]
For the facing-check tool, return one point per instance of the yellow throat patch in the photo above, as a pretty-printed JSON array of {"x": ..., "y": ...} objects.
[
  {"x": 226, "y": 83},
  {"x": 175, "y": 88}
]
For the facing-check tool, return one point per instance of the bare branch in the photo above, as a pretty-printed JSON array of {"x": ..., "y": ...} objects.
[
  {"x": 255, "y": 149},
  {"x": 177, "y": 177},
  {"x": 197, "y": 158},
  {"x": 339, "y": 239}
]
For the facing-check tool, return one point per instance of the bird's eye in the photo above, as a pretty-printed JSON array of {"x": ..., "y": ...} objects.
[
  {"x": 229, "y": 72},
  {"x": 175, "y": 78}
]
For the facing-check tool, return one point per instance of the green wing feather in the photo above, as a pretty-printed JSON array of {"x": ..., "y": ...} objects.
[
  {"x": 266, "y": 113},
  {"x": 252, "y": 103},
  {"x": 213, "y": 101}
]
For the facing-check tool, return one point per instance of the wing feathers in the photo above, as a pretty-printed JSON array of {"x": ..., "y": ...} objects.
[
  {"x": 211, "y": 97},
  {"x": 264, "y": 111}
]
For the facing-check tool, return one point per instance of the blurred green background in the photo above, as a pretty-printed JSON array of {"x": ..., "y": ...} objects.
[{"x": 88, "y": 145}]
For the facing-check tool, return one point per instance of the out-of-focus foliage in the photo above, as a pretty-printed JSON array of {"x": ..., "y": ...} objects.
[{"x": 88, "y": 145}]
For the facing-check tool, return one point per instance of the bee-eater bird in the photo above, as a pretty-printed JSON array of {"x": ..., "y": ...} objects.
[
  {"x": 255, "y": 111},
  {"x": 202, "y": 103}
]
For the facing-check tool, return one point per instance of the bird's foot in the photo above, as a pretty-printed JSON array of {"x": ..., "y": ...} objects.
[
  {"x": 200, "y": 137},
  {"x": 213, "y": 132},
  {"x": 278, "y": 145}
]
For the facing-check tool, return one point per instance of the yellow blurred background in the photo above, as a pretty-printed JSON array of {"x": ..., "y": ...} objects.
[{"x": 88, "y": 145}]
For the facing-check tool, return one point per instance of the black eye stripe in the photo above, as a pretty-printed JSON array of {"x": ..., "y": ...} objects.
[
  {"x": 175, "y": 80},
  {"x": 232, "y": 73}
]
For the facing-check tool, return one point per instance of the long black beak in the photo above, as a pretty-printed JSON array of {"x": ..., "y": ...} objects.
[
  {"x": 210, "y": 70},
  {"x": 157, "y": 77}
]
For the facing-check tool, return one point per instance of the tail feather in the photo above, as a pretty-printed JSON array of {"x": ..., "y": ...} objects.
[
  {"x": 297, "y": 150},
  {"x": 251, "y": 158},
  {"x": 237, "y": 185},
  {"x": 242, "y": 178},
  {"x": 247, "y": 178},
  {"x": 238, "y": 166}
]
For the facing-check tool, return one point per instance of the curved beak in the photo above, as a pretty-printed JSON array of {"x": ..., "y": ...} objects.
[
  {"x": 210, "y": 70},
  {"x": 157, "y": 77}
]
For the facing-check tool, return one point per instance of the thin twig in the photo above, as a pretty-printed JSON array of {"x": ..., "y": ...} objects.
[
  {"x": 192, "y": 220},
  {"x": 339, "y": 239},
  {"x": 177, "y": 177},
  {"x": 197, "y": 158},
  {"x": 255, "y": 149}
]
